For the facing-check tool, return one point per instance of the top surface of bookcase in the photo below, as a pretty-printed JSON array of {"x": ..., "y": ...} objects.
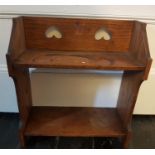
[{"x": 78, "y": 43}]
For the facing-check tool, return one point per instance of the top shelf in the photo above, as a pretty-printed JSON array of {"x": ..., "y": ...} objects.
[
  {"x": 81, "y": 60},
  {"x": 44, "y": 42}
]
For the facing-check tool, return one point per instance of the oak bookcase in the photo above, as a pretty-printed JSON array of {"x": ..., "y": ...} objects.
[{"x": 44, "y": 42}]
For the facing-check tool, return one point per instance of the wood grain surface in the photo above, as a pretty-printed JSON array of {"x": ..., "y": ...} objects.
[
  {"x": 68, "y": 121},
  {"x": 77, "y": 34},
  {"x": 87, "y": 60}
]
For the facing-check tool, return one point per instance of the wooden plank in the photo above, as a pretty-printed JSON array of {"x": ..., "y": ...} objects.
[
  {"x": 131, "y": 82},
  {"x": 17, "y": 40},
  {"x": 87, "y": 60},
  {"x": 77, "y": 34},
  {"x": 130, "y": 85},
  {"x": 139, "y": 47},
  {"x": 67, "y": 121},
  {"x": 21, "y": 80}
]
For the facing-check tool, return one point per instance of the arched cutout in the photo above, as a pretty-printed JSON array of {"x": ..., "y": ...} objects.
[
  {"x": 102, "y": 33},
  {"x": 53, "y": 31}
]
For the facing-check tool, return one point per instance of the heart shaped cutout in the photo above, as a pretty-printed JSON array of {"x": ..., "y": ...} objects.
[
  {"x": 102, "y": 33},
  {"x": 53, "y": 32}
]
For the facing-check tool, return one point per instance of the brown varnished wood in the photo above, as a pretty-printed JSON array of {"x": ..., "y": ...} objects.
[
  {"x": 23, "y": 90},
  {"x": 130, "y": 85},
  {"x": 127, "y": 50},
  {"x": 87, "y": 60},
  {"x": 77, "y": 34},
  {"x": 139, "y": 46},
  {"x": 131, "y": 82},
  {"x": 74, "y": 121},
  {"x": 20, "y": 76},
  {"x": 147, "y": 69},
  {"x": 17, "y": 40},
  {"x": 126, "y": 139}
]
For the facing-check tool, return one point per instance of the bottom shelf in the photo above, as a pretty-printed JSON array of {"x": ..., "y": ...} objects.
[{"x": 74, "y": 121}]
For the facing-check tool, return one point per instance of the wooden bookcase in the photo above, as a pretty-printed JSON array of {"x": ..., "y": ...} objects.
[{"x": 43, "y": 42}]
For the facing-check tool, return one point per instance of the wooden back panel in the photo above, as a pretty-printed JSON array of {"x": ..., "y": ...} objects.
[{"x": 77, "y": 34}]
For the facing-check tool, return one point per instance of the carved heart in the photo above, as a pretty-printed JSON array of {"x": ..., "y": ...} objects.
[
  {"x": 53, "y": 32},
  {"x": 102, "y": 33}
]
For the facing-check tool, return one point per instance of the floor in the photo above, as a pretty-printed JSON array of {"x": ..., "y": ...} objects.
[{"x": 143, "y": 136}]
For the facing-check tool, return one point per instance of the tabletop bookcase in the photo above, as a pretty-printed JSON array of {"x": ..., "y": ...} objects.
[{"x": 102, "y": 44}]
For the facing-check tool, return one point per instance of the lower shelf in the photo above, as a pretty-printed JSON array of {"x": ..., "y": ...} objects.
[{"x": 75, "y": 121}]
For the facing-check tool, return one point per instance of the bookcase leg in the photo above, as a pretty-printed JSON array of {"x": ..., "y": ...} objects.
[
  {"x": 23, "y": 90},
  {"x": 126, "y": 140},
  {"x": 131, "y": 82},
  {"x": 22, "y": 140}
]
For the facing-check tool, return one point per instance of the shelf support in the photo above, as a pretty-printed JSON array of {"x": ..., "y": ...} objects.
[
  {"x": 131, "y": 82},
  {"x": 22, "y": 83}
]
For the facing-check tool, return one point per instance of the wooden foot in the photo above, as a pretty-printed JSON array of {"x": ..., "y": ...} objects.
[
  {"x": 126, "y": 140},
  {"x": 22, "y": 140}
]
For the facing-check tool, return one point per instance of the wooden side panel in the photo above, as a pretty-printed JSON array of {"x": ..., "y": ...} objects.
[
  {"x": 77, "y": 34},
  {"x": 21, "y": 80},
  {"x": 139, "y": 46},
  {"x": 130, "y": 85},
  {"x": 23, "y": 90},
  {"x": 20, "y": 76},
  {"x": 17, "y": 40}
]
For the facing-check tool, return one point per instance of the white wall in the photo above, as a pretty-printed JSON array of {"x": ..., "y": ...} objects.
[
  {"x": 138, "y": 12},
  {"x": 75, "y": 88},
  {"x": 72, "y": 88},
  {"x": 8, "y": 101}
]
